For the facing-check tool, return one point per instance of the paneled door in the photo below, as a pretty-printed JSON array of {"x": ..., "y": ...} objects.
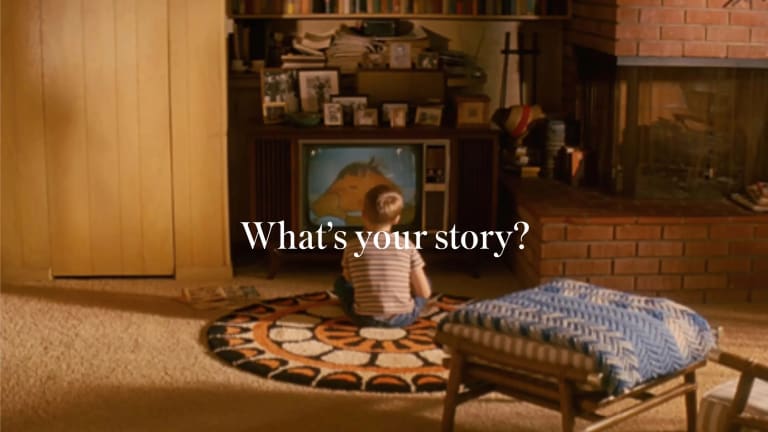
[{"x": 107, "y": 136}]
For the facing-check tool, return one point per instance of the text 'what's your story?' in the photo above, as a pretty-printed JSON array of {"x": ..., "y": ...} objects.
[{"x": 325, "y": 237}]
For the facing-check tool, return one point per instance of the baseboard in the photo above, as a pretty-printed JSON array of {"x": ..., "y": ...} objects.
[{"x": 19, "y": 275}]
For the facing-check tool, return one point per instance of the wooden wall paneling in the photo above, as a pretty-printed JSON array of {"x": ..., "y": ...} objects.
[
  {"x": 198, "y": 119},
  {"x": 128, "y": 124},
  {"x": 154, "y": 124},
  {"x": 107, "y": 135},
  {"x": 66, "y": 136},
  {"x": 25, "y": 236},
  {"x": 101, "y": 155}
]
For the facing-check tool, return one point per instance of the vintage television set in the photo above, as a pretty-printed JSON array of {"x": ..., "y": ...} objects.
[{"x": 335, "y": 174}]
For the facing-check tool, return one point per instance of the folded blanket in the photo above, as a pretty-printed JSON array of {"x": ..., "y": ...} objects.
[{"x": 633, "y": 338}]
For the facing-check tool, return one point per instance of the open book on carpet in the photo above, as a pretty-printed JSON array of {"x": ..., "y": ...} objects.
[{"x": 218, "y": 296}]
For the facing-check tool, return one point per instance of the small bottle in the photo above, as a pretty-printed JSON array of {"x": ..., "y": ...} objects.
[{"x": 709, "y": 170}]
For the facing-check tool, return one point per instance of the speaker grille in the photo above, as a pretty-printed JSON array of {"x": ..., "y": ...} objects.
[
  {"x": 476, "y": 198},
  {"x": 434, "y": 208},
  {"x": 271, "y": 181}
]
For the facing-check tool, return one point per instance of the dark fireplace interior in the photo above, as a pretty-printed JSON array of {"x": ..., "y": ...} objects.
[{"x": 672, "y": 128}]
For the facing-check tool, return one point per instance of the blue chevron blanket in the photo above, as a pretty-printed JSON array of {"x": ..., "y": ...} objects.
[{"x": 632, "y": 338}]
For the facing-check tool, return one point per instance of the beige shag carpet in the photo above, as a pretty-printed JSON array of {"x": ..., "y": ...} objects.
[{"x": 125, "y": 355}]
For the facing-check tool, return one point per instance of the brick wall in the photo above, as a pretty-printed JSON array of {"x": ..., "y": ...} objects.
[
  {"x": 671, "y": 28},
  {"x": 693, "y": 260}
]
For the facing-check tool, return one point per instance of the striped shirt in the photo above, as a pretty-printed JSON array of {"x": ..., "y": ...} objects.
[{"x": 381, "y": 277}]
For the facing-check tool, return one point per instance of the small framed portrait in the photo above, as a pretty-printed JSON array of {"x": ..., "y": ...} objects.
[
  {"x": 349, "y": 105},
  {"x": 400, "y": 55},
  {"x": 278, "y": 88},
  {"x": 316, "y": 87},
  {"x": 274, "y": 112},
  {"x": 386, "y": 107},
  {"x": 332, "y": 114},
  {"x": 429, "y": 115},
  {"x": 428, "y": 60},
  {"x": 472, "y": 110},
  {"x": 367, "y": 117},
  {"x": 398, "y": 116}
]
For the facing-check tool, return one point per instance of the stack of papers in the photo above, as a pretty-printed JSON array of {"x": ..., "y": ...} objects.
[{"x": 754, "y": 198}]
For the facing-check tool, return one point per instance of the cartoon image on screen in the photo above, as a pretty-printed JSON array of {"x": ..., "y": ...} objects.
[{"x": 338, "y": 178}]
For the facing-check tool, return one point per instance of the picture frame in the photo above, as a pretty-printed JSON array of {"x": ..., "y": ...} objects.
[
  {"x": 350, "y": 104},
  {"x": 333, "y": 114},
  {"x": 429, "y": 115},
  {"x": 274, "y": 112},
  {"x": 316, "y": 87},
  {"x": 428, "y": 60},
  {"x": 400, "y": 55},
  {"x": 472, "y": 110},
  {"x": 278, "y": 88},
  {"x": 386, "y": 107},
  {"x": 367, "y": 117},
  {"x": 398, "y": 116}
]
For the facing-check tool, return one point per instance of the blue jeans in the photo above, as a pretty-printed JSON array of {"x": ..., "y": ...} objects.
[{"x": 346, "y": 294}]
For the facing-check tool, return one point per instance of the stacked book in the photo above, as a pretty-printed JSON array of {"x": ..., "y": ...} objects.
[
  {"x": 348, "y": 49},
  {"x": 530, "y": 171},
  {"x": 309, "y": 51},
  {"x": 755, "y": 197},
  {"x": 302, "y": 61}
]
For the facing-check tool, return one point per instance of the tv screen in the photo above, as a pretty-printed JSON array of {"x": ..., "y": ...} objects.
[{"x": 337, "y": 176}]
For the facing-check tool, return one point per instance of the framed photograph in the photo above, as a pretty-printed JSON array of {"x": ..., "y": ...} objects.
[
  {"x": 367, "y": 117},
  {"x": 428, "y": 60},
  {"x": 332, "y": 114},
  {"x": 398, "y": 116},
  {"x": 472, "y": 110},
  {"x": 316, "y": 87},
  {"x": 386, "y": 107},
  {"x": 349, "y": 105},
  {"x": 278, "y": 88},
  {"x": 400, "y": 55},
  {"x": 274, "y": 112},
  {"x": 429, "y": 115}
]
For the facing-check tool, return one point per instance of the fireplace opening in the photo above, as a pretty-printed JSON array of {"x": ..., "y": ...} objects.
[{"x": 673, "y": 128}]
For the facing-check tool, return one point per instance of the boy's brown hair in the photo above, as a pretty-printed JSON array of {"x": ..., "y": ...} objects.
[{"x": 383, "y": 204}]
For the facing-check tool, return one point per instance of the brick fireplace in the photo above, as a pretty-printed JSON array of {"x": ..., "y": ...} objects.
[
  {"x": 672, "y": 95},
  {"x": 672, "y": 100}
]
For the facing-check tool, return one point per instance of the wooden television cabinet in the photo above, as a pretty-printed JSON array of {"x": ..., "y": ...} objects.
[{"x": 273, "y": 153}]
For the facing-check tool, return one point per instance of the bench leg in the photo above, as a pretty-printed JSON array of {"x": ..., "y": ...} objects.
[
  {"x": 452, "y": 391},
  {"x": 690, "y": 403},
  {"x": 567, "y": 414}
]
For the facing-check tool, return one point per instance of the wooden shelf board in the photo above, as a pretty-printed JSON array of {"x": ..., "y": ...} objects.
[{"x": 335, "y": 16}]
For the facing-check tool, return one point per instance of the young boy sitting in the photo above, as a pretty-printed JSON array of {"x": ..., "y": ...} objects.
[{"x": 382, "y": 287}]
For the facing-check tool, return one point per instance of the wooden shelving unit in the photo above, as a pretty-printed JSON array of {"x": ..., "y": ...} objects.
[
  {"x": 357, "y": 16},
  {"x": 479, "y": 10}
]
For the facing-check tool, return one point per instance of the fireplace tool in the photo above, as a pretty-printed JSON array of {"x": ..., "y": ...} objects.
[{"x": 515, "y": 120}]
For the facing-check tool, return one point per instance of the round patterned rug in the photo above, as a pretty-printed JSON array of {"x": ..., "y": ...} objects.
[{"x": 307, "y": 340}]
